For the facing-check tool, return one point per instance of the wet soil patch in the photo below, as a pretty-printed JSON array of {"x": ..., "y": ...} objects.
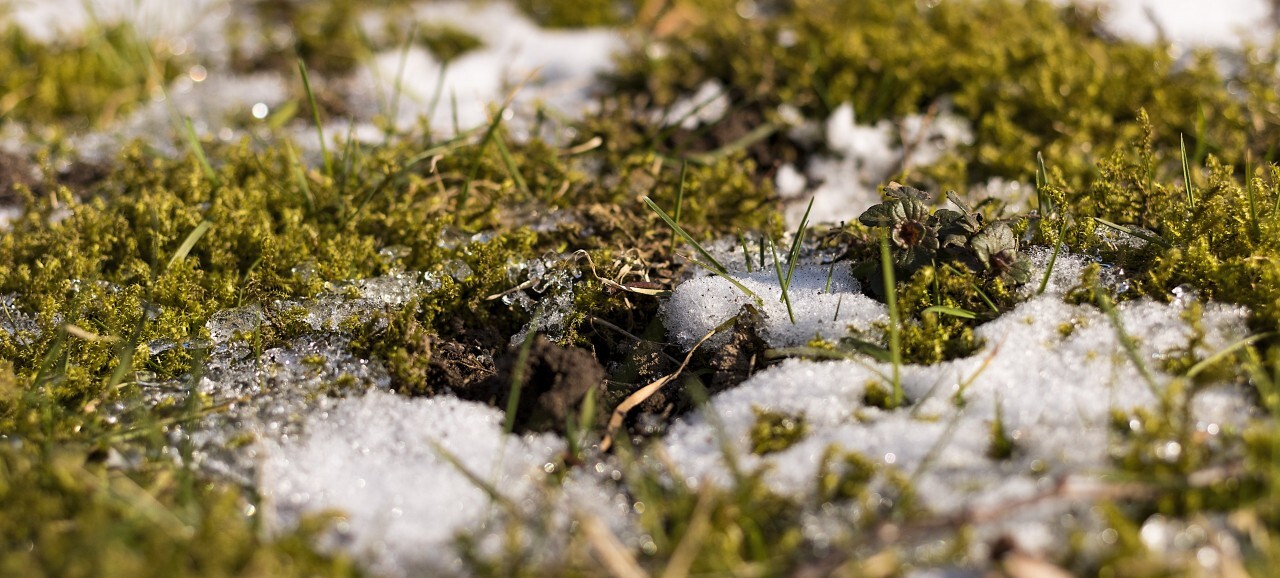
[
  {"x": 15, "y": 171},
  {"x": 552, "y": 382}
]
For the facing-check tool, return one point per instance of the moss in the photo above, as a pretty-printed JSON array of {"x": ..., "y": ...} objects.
[
  {"x": 73, "y": 83},
  {"x": 1038, "y": 78},
  {"x": 1002, "y": 444},
  {"x": 845, "y": 475},
  {"x": 575, "y": 13},
  {"x": 877, "y": 394},
  {"x": 774, "y": 431},
  {"x": 745, "y": 525},
  {"x": 447, "y": 42},
  {"x": 63, "y": 512},
  {"x": 1034, "y": 78}
]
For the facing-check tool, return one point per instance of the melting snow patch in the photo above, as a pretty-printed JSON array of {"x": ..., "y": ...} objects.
[
  {"x": 1055, "y": 371},
  {"x": 1189, "y": 23},
  {"x": 865, "y": 156},
  {"x": 559, "y": 67},
  {"x": 700, "y": 305},
  {"x": 706, "y": 106},
  {"x": 377, "y": 458},
  {"x": 50, "y": 20}
]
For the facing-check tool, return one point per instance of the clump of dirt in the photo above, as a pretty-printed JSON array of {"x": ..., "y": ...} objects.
[
  {"x": 15, "y": 171},
  {"x": 82, "y": 177},
  {"x": 769, "y": 152},
  {"x": 554, "y": 380},
  {"x": 742, "y": 356},
  {"x": 458, "y": 368}
]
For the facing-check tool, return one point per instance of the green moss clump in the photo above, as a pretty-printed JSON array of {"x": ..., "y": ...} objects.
[
  {"x": 845, "y": 475},
  {"x": 574, "y": 13},
  {"x": 775, "y": 431},
  {"x": 64, "y": 512},
  {"x": 1034, "y": 77},
  {"x": 448, "y": 42},
  {"x": 80, "y": 84},
  {"x": 746, "y": 525}
]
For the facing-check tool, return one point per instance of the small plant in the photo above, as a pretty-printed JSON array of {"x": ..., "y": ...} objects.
[{"x": 920, "y": 238}]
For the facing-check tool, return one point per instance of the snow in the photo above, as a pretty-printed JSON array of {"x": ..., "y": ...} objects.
[
  {"x": 1055, "y": 370},
  {"x": 863, "y": 157},
  {"x": 707, "y": 106},
  {"x": 700, "y": 305},
  {"x": 556, "y": 68},
  {"x": 384, "y": 462},
  {"x": 221, "y": 105},
  {"x": 1190, "y": 23},
  {"x": 51, "y": 20}
]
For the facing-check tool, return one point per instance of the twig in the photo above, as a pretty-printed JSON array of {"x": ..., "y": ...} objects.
[{"x": 637, "y": 398}]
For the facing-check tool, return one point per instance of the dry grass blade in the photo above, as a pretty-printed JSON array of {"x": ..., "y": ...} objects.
[
  {"x": 614, "y": 555},
  {"x": 610, "y": 283},
  {"x": 686, "y": 551},
  {"x": 637, "y": 398}
]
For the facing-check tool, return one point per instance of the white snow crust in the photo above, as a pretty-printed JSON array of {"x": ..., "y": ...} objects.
[
  {"x": 375, "y": 458},
  {"x": 699, "y": 305},
  {"x": 1055, "y": 371}
]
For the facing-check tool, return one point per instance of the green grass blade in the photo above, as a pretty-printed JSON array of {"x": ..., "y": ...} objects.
[
  {"x": 1248, "y": 191},
  {"x": 193, "y": 143},
  {"x": 777, "y": 270},
  {"x": 1134, "y": 232},
  {"x": 190, "y": 242},
  {"x": 1227, "y": 351},
  {"x": 315, "y": 116},
  {"x": 797, "y": 243},
  {"x": 398, "y": 87},
  {"x": 746, "y": 253},
  {"x": 512, "y": 169},
  {"x": 300, "y": 176},
  {"x": 1043, "y": 201},
  {"x": 1127, "y": 343},
  {"x": 489, "y": 133},
  {"x": 1053, "y": 258},
  {"x": 952, "y": 311},
  {"x": 716, "y": 265},
  {"x": 437, "y": 92},
  {"x": 1186, "y": 173},
  {"x": 895, "y": 321},
  {"x": 736, "y": 283},
  {"x": 684, "y": 170},
  {"x": 517, "y": 381}
]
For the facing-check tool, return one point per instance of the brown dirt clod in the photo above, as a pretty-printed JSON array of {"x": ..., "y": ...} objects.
[{"x": 554, "y": 382}]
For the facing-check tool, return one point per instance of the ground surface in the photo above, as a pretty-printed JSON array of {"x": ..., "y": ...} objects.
[{"x": 668, "y": 287}]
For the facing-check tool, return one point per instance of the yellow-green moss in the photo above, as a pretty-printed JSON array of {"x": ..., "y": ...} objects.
[
  {"x": 775, "y": 431},
  {"x": 80, "y": 83}
]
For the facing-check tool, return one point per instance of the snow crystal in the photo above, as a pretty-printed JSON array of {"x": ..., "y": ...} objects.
[
  {"x": 225, "y": 325},
  {"x": 384, "y": 462},
  {"x": 789, "y": 182},
  {"x": 1054, "y": 370},
  {"x": 552, "y": 278},
  {"x": 700, "y": 305}
]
